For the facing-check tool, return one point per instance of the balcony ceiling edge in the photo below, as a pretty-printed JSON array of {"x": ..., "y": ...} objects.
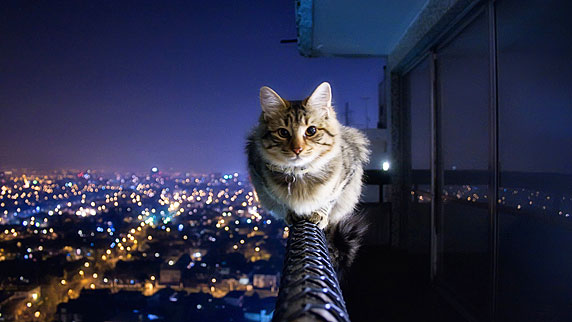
[
  {"x": 435, "y": 18},
  {"x": 352, "y": 29}
]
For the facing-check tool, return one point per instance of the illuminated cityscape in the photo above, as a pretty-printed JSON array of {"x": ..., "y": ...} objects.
[{"x": 151, "y": 246}]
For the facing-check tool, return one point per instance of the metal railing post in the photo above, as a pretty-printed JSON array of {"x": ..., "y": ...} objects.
[{"x": 309, "y": 288}]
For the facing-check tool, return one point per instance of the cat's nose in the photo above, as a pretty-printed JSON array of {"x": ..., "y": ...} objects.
[{"x": 297, "y": 149}]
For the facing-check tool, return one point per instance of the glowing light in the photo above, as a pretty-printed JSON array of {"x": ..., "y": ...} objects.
[
  {"x": 63, "y": 282},
  {"x": 385, "y": 166}
]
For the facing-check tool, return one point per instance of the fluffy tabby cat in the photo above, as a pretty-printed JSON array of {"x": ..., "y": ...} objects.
[{"x": 304, "y": 164}]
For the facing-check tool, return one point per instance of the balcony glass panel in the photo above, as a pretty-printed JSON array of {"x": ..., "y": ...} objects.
[
  {"x": 417, "y": 102},
  {"x": 463, "y": 216},
  {"x": 535, "y": 147}
]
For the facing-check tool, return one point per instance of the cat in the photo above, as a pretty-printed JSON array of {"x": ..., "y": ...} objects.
[{"x": 304, "y": 164}]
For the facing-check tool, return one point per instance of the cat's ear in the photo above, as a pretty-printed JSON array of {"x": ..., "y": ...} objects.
[
  {"x": 321, "y": 98},
  {"x": 270, "y": 101}
]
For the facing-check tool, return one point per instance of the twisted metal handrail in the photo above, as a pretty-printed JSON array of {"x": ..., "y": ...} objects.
[{"x": 309, "y": 288}]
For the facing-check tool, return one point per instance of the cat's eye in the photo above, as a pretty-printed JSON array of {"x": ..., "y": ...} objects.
[
  {"x": 311, "y": 131},
  {"x": 283, "y": 133}
]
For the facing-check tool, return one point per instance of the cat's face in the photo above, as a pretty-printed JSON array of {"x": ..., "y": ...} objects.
[{"x": 298, "y": 132}]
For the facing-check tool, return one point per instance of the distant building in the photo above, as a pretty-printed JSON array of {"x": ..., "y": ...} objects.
[
  {"x": 125, "y": 283},
  {"x": 170, "y": 276},
  {"x": 265, "y": 280}
]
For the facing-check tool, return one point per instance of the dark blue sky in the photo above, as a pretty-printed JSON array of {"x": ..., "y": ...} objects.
[{"x": 126, "y": 85}]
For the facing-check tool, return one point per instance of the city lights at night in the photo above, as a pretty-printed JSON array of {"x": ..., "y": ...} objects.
[{"x": 135, "y": 232}]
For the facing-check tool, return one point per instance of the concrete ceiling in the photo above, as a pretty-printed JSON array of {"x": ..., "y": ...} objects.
[{"x": 353, "y": 28}]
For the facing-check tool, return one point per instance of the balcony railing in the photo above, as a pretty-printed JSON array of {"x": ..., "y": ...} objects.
[{"x": 309, "y": 289}]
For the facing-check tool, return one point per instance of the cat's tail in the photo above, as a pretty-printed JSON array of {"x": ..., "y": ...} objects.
[{"x": 344, "y": 240}]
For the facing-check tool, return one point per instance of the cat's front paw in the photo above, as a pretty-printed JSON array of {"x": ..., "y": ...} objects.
[{"x": 319, "y": 219}]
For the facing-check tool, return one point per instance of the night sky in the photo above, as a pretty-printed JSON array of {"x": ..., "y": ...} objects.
[{"x": 127, "y": 85}]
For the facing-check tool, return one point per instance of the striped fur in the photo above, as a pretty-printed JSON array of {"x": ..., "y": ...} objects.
[{"x": 323, "y": 182}]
